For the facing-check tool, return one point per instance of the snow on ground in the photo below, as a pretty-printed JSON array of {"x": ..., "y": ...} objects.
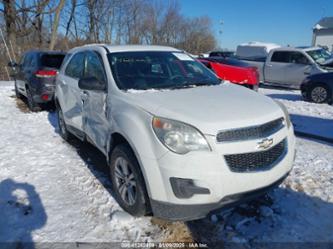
[
  {"x": 301, "y": 209},
  {"x": 49, "y": 191},
  {"x": 53, "y": 191},
  {"x": 307, "y": 117},
  {"x": 298, "y": 211}
]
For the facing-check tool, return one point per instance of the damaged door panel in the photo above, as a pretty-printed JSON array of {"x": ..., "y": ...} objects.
[
  {"x": 94, "y": 101},
  {"x": 72, "y": 106}
]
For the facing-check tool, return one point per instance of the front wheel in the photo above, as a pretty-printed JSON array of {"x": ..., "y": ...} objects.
[
  {"x": 320, "y": 94},
  {"x": 127, "y": 181},
  {"x": 17, "y": 93}
]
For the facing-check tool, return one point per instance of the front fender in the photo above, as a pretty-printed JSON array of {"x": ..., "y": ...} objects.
[{"x": 135, "y": 125}]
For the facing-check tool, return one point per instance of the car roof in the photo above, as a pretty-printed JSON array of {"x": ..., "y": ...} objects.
[
  {"x": 127, "y": 48},
  {"x": 296, "y": 48},
  {"x": 44, "y": 52}
]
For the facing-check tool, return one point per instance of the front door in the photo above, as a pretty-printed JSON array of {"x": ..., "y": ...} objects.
[
  {"x": 275, "y": 67},
  {"x": 94, "y": 116},
  {"x": 68, "y": 87},
  {"x": 298, "y": 69}
]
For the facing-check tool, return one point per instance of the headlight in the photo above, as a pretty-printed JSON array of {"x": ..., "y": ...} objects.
[
  {"x": 286, "y": 113},
  {"x": 179, "y": 137}
]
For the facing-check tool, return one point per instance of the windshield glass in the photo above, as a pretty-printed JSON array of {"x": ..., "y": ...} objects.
[
  {"x": 319, "y": 55},
  {"x": 158, "y": 70}
]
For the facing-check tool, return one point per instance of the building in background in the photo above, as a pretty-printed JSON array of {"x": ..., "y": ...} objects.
[{"x": 323, "y": 33}]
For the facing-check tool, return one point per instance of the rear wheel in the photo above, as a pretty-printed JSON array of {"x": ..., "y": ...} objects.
[
  {"x": 64, "y": 133},
  {"x": 320, "y": 94},
  {"x": 127, "y": 181},
  {"x": 33, "y": 106}
]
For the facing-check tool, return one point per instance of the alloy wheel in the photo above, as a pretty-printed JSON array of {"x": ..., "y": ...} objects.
[
  {"x": 319, "y": 94},
  {"x": 125, "y": 181}
]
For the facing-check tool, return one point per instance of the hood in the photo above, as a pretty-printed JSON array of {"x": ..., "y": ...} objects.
[
  {"x": 328, "y": 63},
  {"x": 209, "y": 108}
]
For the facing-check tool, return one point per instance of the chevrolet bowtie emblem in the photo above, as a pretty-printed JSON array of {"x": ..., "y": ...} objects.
[{"x": 265, "y": 143}]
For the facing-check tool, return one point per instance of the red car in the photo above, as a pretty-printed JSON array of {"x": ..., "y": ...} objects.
[{"x": 233, "y": 70}]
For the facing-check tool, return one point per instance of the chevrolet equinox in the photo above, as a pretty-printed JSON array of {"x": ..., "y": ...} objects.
[{"x": 179, "y": 142}]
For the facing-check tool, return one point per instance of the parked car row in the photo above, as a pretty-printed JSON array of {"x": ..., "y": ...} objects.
[
  {"x": 304, "y": 68},
  {"x": 35, "y": 76},
  {"x": 288, "y": 67},
  {"x": 232, "y": 70},
  {"x": 178, "y": 141}
]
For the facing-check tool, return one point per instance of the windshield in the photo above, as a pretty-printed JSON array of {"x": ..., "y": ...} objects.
[
  {"x": 158, "y": 70},
  {"x": 319, "y": 55}
]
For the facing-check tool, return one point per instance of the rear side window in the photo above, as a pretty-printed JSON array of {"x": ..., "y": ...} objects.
[
  {"x": 281, "y": 56},
  {"x": 94, "y": 67},
  {"x": 75, "y": 67},
  {"x": 27, "y": 60},
  {"x": 52, "y": 60}
]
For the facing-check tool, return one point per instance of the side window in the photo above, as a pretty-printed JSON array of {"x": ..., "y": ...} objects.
[
  {"x": 66, "y": 59},
  {"x": 75, "y": 67},
  {"x": 94, "y": 67},
  {"x": 281, "y": 56},
  {"x": 299, "y": 58},
  {"x": 27, "y": 60},
  {"x": 33, "y": 62}
]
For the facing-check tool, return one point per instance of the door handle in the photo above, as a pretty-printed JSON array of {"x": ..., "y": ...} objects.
[
  {"x": 269, "y": 65},
  {"x": 307, "y": 73}
]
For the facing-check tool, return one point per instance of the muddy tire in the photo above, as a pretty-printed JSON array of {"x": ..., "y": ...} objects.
[
  {"x": 17, "y": 93},
  {"x": 63, "y": 131},
  {"x": 127, "y": 181},
  {"x": 33, "y": 106}
]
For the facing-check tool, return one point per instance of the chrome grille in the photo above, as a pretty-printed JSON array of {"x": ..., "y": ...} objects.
[
  {"x": 253, "y": 132},
  {"x": 257, "y": 160}
]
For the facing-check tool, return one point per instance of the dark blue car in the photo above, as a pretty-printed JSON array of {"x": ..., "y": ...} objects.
[{"x": 318, "y": 88}]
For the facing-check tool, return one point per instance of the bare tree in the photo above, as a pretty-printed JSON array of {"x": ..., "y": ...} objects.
[
  {"x": 10, "y": 16},
  {"x": 56, "y": 24}
]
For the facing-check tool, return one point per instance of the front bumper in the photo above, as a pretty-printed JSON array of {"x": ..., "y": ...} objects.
[
  {"x": 209, "y": 171},
  {"x": 193, "y": 212}
]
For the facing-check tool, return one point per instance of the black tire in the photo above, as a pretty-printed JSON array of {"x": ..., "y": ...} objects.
[
  {"x": 320, "y": 93},
  {"x": 140, "y": 205},
  {"x": 63, "y": 131},
  {"x": 33, "y": 106},
  {"x": 17, "y": 93}
]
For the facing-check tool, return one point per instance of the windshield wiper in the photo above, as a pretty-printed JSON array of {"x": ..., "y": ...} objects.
[{"x": 190, "y": 85}]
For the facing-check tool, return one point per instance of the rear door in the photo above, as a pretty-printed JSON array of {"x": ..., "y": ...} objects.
[
  {"x": 298, "y": 69},
  {"x": 275, "y": 67},
  {"x": 94, "y": 118},
  {"x": 19, "y": 74},
  {"x": 70, "y": 100}
]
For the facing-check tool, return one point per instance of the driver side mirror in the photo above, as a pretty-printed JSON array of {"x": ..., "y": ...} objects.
[{"x": 91, "y": 83}]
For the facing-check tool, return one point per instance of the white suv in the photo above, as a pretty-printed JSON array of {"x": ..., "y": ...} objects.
[{"x": 179, "y": 142}]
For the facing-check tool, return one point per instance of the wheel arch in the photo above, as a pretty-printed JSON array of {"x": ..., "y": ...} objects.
[{"x": 117, "y": 138}]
